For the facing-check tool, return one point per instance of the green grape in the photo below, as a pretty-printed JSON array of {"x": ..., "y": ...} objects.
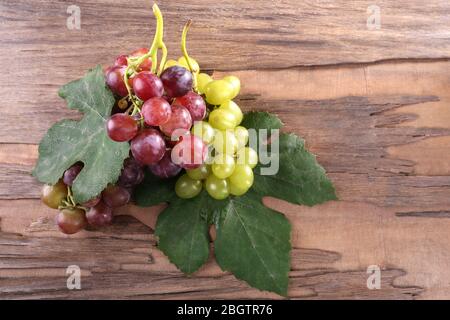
[
  {"x": 199, "y": 173},
  {"x": 236, "y": 191},
  {"x": 203, "y": 130},
  {"x": 241, "y": 134},
  {"x": 195, "y": 67},
  {"x": 236, "y": 84},
  {"x": 232, "y": 107},
  {"x": 217, "y": 188},
  {"x": 187, "y": 188},
  {"x": 225, "y": 142},
  {"x": 170, "y": 63},
  {"x": 203, "y": 80},
  {"x": 218, "y": 92},
  {"x": 223, "y": 166},
  {"x": 247, "y": 156},
  {"x": 222, "y": 119},
  {"x": 53, "y": 196},
  {"x": 242, "y": 176}
]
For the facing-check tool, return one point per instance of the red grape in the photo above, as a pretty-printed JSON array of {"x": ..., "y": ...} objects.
[
  {"x": 71, "y": 174},
  {"x": 148, "y": 147},
  {"x": 71, "y": 220},
  {"x": 190, "y": 152},
  {"x": 146, "y": 85},
  {"x": 121, "y": 127},
  {"x": 121, "y": 60},
  {"x": 180, "y": 122},
  {"x": 132, "y": 173},
  {"x": 156, "y": 111},
  {"x": 147, "y": 64},
  {"x": 165, "y": 168},
  {"x": 92, "y": 203},
  {"x": 177, "y": 81},
  {"x": 114, "y": 80},
  {"x": 100, "y": 215},
  {"x": 194, "y": 103},
  {"x": 116, "y": 196}
]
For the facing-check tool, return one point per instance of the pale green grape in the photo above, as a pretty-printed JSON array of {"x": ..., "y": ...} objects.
[
  {"x": 225, "y": 142},
  {"x": 222, "y": 119},
  {"x": 236, "y": 84},
  {"x": 241, "y": 134},
  {"x": 199, "y": 173},
  {"x": 203, "y": 130},
  {"x": 203, "y": 80},
  {"x": 195, "y": 67},
  {"x": 236, "y": 191},
  {"x": 217, "y": 188},
  {"x": 187, "y": 188},
  {"x": 218, "y": 92},
  {"x": 242, "y": 176},
  {"x": 247, "y": 156},
  {"x": 232, "y": 107},
  {"x": 223, "y": 166},
  {"x": 170, "y": 63}
]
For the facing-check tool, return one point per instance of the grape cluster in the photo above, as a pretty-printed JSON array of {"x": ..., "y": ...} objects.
[{"x": 174, "y": 118}]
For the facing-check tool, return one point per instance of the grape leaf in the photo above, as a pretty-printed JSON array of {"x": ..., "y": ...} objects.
[
  {"x": 69, "y": 141},
  {"x": 153, "y": 191},
  {"x": 253, "y": 241}
]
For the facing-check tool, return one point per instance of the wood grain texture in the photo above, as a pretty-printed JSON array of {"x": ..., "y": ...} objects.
[{"x": 374, "y": 106}]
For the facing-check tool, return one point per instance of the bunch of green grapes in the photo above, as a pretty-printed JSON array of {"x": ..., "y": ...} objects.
[{"x": 228, "y": 169}]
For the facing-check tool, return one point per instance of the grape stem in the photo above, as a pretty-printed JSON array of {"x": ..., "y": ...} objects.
[{"x": 185, "y": 53}]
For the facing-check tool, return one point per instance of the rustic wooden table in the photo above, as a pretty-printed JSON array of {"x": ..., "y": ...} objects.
[{"x": 372, "y": 101}]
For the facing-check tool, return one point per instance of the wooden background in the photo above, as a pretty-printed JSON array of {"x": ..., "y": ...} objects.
[{"x": 374, "y": 105}]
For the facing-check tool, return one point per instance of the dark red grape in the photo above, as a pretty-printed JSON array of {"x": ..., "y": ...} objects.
[
  {"x": 180, "y": 122},
  {"x": 71, "y": 173},
  {"x": 116, "y": 196},
  {"x": 114, "y": 80},
  {"x": 156, "y": 111},
  {"x": 71, "y": 220},
  {"x": 146, "y": 85},
  {"x": 132, "y": 173},
  {"x": 190, "y": 152},
  {"x": 148, "y": 147},
  {"x": 147, "y": 64},
  {"x": 194, "y": 103},
  {"x": 121, "y": 60},
  {"x": 165, "y": 168},
  {"x": 177, "y": 81},
  {"x": 92, "y": 203},
  {"x": 100, "y": 215},
  {"x": 121, "y": 127}
]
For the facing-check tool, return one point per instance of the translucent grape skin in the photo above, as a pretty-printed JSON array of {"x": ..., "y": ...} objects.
[
  {"x": 71, "y": 174},
  {"x": 148, "y": 147},
  {"x": 116, "y": 196},
  {"x": 156, "y": 111},
  {"x": 147, "y": 64},
  {"x": 190, "y": 152},
  {"x": 132, "y": 174},
  {"x": 177, "y": 81},
  {"x": 217, "y": 188},
  {"x": 100, "y": 215},
  {"x": 146, "y": 85},
  {"x": 180, "y": 120},
  {"x": 121, "y": 127},
  {"x": 71, "y": 220},
  {"x": 187, "y": 188},
  {"x": 114, "y": 80},
  {"x": 165, "y": 168},
  {"x": 195, "y": 105},
  {"x": 52, "y": 196}
]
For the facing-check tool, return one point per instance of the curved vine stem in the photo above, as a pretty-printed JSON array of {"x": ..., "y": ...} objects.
[{"x": 185, "y": 53}]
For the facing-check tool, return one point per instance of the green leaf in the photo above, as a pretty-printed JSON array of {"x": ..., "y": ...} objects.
[
  {"x": 261, "y": 120},
  {"x": 68, "y": 141},
  {"x": 182, "y": 229},
  {"x": 253, "y": 242},
  {"x": 154, "y": 191},
  {"x": 300, "y": 178}
]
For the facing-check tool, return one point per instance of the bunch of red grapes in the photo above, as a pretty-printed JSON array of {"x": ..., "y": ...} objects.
[{"x": 170, "y": 127}]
